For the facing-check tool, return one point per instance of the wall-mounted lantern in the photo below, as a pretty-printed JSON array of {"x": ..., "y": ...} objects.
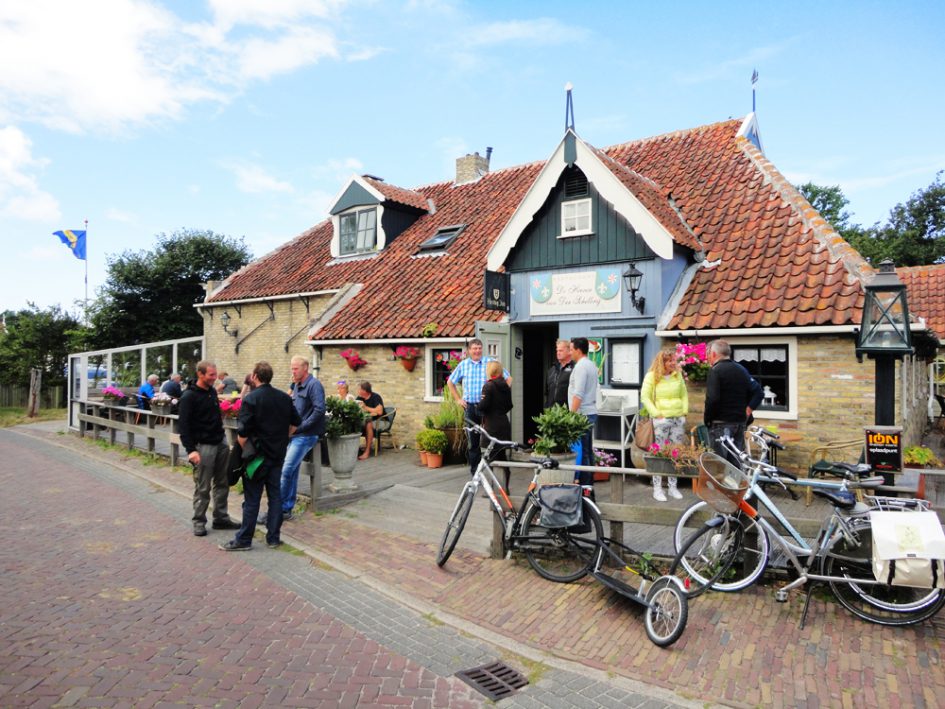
[{"x": 632, "y": 278}]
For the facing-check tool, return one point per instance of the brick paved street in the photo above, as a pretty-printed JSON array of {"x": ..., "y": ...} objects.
[{"x": 110, "y": 601}]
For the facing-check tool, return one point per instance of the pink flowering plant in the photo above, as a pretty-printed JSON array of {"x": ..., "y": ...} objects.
[
  {"x": 682, "y": 454},
  {"x": 112, "y": 392},
  {"x": 603, "y": 459},
  {"x": 353, "y": 358},
  {"x": 407, "y": 352},
  {"x": 230, "y": 408},
  {"x": 694, "y": 360},
  {"x": 449, "y": 359}
]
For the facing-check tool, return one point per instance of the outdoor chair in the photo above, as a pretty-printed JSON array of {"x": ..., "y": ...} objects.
[
  {"x": 383, "y": 424},
  {"x": 833, "y": 452}
]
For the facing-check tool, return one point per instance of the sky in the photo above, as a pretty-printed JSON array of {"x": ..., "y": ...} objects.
[{"x": 246, "y": 117}]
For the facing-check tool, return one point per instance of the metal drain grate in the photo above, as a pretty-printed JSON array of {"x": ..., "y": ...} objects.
[{"x": 496, "y": 680}]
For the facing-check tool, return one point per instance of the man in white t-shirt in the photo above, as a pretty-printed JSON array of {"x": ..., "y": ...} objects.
[{"x": 582, "y": 397}]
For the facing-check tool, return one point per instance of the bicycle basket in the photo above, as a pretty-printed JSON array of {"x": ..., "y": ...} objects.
[{"x": 720, "y": 483}]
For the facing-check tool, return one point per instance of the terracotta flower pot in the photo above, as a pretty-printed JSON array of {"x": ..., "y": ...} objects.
[
  {"x": 423, "y": 457},
  {"x": 434, "y": 460},
  {"x": 409, "y": 364}
]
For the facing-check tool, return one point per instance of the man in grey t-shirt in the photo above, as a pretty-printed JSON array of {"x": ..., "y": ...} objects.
[{"x": 582, "y": 397}]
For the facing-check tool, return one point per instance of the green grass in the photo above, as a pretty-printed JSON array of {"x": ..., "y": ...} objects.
[{"x": 16, "y": 415}]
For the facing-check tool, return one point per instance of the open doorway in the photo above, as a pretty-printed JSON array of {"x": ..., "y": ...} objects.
[{"x": 538, "y": 353}]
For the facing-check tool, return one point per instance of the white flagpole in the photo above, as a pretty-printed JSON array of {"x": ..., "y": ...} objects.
[{"x": 86, "y": 272}]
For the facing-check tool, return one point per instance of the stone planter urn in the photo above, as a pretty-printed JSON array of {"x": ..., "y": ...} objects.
[{"x": 343, "y": 454}]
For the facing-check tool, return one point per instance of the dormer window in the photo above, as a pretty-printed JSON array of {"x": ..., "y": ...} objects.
[
  {"x": 442, "y": 239},
  {"x": 358, "y": 231},
  {"x": 576, "y": 218}
]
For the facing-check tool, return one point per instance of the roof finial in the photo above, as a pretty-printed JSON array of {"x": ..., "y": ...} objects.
[
  {"x": 754, "y": 80},
  {"x": 568, "y": 108}
]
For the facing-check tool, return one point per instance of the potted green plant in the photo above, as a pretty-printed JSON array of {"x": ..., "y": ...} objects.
[
  {"x": 920, "y": 457},
  {"x": 436, "y": 444},
  {"x": 421, "y": 445},
  {"x": 343, "y": 423},
  {"x": 559, "y": 429},
  {"x": 450, "y": 419}
]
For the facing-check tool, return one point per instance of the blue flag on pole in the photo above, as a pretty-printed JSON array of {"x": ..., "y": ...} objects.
[{"x": 74, "y": 239}]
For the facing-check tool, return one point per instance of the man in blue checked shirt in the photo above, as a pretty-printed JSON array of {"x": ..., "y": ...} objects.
[{"x": 471, "y": 374}]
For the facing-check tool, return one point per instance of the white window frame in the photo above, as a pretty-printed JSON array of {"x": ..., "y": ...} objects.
[
  {"x": 791, "y": 342},
  {"x": 575, "y": 206},
  {"x": 380, "y": 238},
  {"x": 428, "y": 394}
]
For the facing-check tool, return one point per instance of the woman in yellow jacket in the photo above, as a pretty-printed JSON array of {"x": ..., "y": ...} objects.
[{"x": 665, "y": 398}]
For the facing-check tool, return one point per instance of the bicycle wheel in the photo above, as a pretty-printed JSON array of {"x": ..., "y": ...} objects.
[
  {"x": 667, "y": 611},
  {"x": 708, "y": 554},
  {"x": 456, "y": 524},
  {"x": 750, "y": 558},
  {"x": 878, "y": 603},
  {"x": 560, "y": 554}
]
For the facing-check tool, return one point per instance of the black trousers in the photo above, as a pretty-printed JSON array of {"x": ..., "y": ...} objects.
[{"x": 473, "y": 453}]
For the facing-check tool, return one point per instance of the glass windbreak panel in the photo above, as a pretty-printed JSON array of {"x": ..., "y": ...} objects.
[
  {"x": 75, "y": 367},
  {"x": 188, "y": 354},
  {"x": 444, "y": 362},
  {"x": 768, "y": 364},
  {"x": 127, "y": 366},
  {"x": 97, "y": 371},
  {"x": 159, "y": 361}
]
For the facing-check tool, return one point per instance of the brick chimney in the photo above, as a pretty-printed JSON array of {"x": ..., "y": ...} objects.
[{"x": 471, "y": 167}]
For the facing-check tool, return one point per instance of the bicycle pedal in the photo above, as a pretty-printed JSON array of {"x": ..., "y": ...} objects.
[{"x": 781, "y": 595}]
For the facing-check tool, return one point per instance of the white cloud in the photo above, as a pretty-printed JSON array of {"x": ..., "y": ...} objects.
[
  {"x": 254, "y": 179},
  {"x": 20, "y": 194},
  {"x": 113, "y": 64},
  {"x": 117, "y": 215}
]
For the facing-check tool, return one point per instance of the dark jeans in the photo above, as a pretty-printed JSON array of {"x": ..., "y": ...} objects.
[
  {"x": 473, "y": 453},
  {"x": 585, "y": 477},
  {"x": 269, "y": 476},
  {"x": 735, "y": 431}
]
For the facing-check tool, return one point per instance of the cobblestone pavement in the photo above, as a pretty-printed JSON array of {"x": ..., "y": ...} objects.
[{"x": 110, "y": 601}]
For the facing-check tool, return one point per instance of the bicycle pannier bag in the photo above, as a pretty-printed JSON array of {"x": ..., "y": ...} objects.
[
  {"x": 908, "y": 549},
  {"x": 643, "y": 433},
  {"x": 560, "y": 505}
]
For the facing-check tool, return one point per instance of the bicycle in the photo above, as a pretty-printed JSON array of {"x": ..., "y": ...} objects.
[
  {"x": 841, "y": 555},
  {"x": 562, "y": 554}
]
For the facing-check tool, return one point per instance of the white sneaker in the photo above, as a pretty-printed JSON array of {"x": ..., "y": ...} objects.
[
  {"x": 659, "y": 495},
  {"x": 675, "y": 494}
]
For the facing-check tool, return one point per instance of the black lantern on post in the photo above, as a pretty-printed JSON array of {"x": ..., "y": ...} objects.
[
  {"x": 631, "y": 278},
  {"x": 885, "y": 336}
]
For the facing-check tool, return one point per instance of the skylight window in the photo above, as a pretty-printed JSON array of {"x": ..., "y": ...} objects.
[{"x": 443, "y": 238}]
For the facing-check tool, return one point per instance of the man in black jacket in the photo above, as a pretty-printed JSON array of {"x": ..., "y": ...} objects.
[
  {"x": 559, "y": 374},
  {"x": 201, "y": 434},
  {"x": 268, "y": 417},
  {"x": 727, "y": 400}
]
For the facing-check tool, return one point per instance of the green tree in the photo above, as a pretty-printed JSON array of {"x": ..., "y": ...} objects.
[
  {"x": 149, "y": 295},
  {"x": 830, "y": 202},
  {"x": 38, "y": 338},
  {"x": 914, "y": 234}
]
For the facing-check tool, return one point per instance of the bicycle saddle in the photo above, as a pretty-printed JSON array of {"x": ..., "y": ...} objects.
[
  {"x": 844, "y": 470},
  {"x": 844, "y": 499}
]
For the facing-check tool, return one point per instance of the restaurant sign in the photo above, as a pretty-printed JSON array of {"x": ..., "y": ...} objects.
[{"x": 582, "y": 292}]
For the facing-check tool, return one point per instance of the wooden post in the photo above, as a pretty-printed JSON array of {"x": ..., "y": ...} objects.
[
  {"x": 616, "y": 496},
  {"x": 36, "y": 384}
]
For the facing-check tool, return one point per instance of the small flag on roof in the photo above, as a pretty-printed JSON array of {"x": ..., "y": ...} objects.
[{"x": 75, "y": 240}]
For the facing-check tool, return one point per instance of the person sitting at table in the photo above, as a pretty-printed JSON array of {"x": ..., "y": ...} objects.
[
  {"x": 343, "y": 392},
  {"x": 146, "y": 391},
  {"x": 248, "y": 385},
  {"x": 172, "y": 386},
  {"x": 228, "y": 385},
  {"x": 372, "y": 404}
]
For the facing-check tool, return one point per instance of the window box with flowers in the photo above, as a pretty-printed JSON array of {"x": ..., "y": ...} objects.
[
  {"x": 679, "y": 459},
  {"x": 162, "y": 403},
  {"x": 353, "y": 358},
  {"x": 113, "y": 395},
  {"x": 408, "y": 356}
]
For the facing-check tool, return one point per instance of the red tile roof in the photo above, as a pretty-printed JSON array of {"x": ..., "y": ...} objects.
[
  {"x": 925, "y": 289},
  {"x": 781, "y": 264}
]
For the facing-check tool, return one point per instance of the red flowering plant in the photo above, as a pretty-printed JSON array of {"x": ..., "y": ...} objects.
[
  {"x": 406, "y": 352},
  {"x": 354, "y": 360},
  {"x": 694, "y": 360},
  {"x": 230, "y": 408},
  {"x": 682, "y": 454}
]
